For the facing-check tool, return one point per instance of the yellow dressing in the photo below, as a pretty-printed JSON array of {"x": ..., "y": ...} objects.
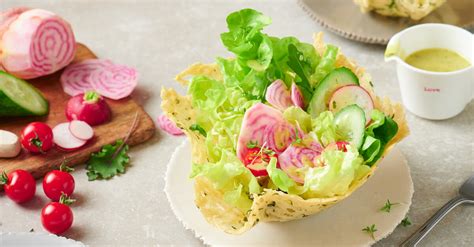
[{"x": 437, "y": 60}]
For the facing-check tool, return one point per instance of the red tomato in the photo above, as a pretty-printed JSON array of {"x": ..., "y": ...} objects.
[
  {"x": 339, "y": 145},
  {"x": 256, "y": 160},
  {"x": 56, "y": 217},
  {"x": 19, "y": 185},
  {"x": 57, "y": 182},
  {"x": 37, "y": 137}
]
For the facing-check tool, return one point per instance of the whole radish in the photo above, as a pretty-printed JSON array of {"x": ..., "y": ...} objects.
[{"x": 89, "y": 107}]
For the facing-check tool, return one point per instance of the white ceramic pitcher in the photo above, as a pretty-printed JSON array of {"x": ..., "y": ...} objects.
[{"x": 433, "y": 95}]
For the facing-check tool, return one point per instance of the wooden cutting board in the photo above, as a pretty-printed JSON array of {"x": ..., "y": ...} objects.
[{"x": 123, "y": 115}]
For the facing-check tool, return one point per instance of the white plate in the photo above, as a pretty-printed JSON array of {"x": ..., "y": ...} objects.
[
  {"x": 36, "y": 240},
  {"x": 340, "y": 225}
]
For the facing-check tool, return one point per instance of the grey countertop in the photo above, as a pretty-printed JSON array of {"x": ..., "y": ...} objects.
[{"x": 160, "y": 38}]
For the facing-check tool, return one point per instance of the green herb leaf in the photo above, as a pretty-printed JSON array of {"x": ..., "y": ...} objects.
[
  {"x": 252, "y": 144},
  {"x": 296, "y": 63},
  {"x": 388, "y": 206},
  {"x": 107, "y": 162},
  {"x": 198, "y": 128},
  {"x": 405, "y": 222},
  {"x": 370, "y": 230}
]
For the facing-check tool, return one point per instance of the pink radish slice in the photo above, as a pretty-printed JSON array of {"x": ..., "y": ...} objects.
[
  {"x": 114, "y": 81},
  {"x": 169, "y": 126},
  {"x": 265, "y": 126},
  {"x": 350, "y": 95},
  {"x": 296, "y": 96},
  {"x": 278, "y": 95},
  {"x": 37, "y": 43},
  {"x": 64, "y": 139},
  {"x": 81, "y": 130},
  {"x": 298, "y": 156},
  {"x": 76, "y": 77}
]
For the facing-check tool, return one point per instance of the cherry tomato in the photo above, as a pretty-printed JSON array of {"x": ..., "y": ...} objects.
[
  {"x": 257, "y": 159},
  {"x": 339, "y": 145},
  {"x": 57, "y": 182},
  {"x": 57, "y": 217},
  {"x": 19, "y": 185},
  {"x": 37, "y": 137}
]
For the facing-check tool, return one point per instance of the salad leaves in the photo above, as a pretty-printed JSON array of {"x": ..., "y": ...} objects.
[
  {"x": 220, "y": 107},
  {"x": 231, "y": 177}
]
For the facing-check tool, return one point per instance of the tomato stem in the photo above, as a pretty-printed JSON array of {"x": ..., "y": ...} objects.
[
  {"x": 4, "y": 178},
  {"x": 37, "y": 143},
  {"x": 66, "y": 200},
  {"x": 64, "y": 168}
]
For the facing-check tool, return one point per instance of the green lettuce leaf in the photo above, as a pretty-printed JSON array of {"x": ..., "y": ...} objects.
[
  {"x": 232, "y": 178},
  {"x": 281, "y": 180},
  {"x": 324, "y": 128},
  {"x": 326, "y": 65},
  {"x": 297, "y": 116},
  {"x": 336, "y": 176},
  {"x": 380, "y": 131}
]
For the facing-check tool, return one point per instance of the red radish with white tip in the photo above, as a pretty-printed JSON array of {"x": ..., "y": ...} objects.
[
  {"x": 64, "y": 139},
  {"x": 89, "y": 107},
  {"x": 81, "y": 130},
  {"x": 350, "y": 95}
]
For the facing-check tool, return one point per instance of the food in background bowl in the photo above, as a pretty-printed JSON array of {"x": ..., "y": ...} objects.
[
  {"x": 266, "y": 144},
  {"x": 414, "y": 9}
]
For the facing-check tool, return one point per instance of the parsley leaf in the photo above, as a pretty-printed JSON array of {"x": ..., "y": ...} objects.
[
  {"x": 370, "y": 230},
  {"x": 405, "y": 222},
  {"x": 107, "y": 162},
  {"x": 388, "y": 206},
  {"x": 198, "y": 128}
]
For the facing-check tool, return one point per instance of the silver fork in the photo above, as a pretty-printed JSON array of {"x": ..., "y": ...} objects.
[{"x": 466, "y": 195}]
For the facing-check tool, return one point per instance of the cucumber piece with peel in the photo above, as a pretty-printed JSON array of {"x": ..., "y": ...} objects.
[
  {"x": 322, "y": 94},
  {"x": 19, "y": 98},
  {"x": 350, "y": 125}
]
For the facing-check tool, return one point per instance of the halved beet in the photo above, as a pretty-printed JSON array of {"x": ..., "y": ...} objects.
[
  {"x": 64, "y": 139},
  {"x": 81, "y": 130},
  {"x": 264, "y": 126},
  {"x": 278, "y": 95}
]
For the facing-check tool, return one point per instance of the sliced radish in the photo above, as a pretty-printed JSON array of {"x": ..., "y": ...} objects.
[
  {"x": 297, "y": 96},
  {"x": 64, "y": 139},
  {"x": 167, "y": 125},
  {"x": 278, "y": 95},
  {"x": 76, "y": 77},
  {"x": 81, "y": 130},
  {"x": 114, "y": 81},
  {"x": 350, "y": 95}
]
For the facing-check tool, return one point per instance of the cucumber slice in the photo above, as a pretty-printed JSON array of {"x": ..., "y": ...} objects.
[
  {"x": 350, "y": 125},
  {"x": 322, "y": 94},
  {"x": 19, "y": 98}
]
